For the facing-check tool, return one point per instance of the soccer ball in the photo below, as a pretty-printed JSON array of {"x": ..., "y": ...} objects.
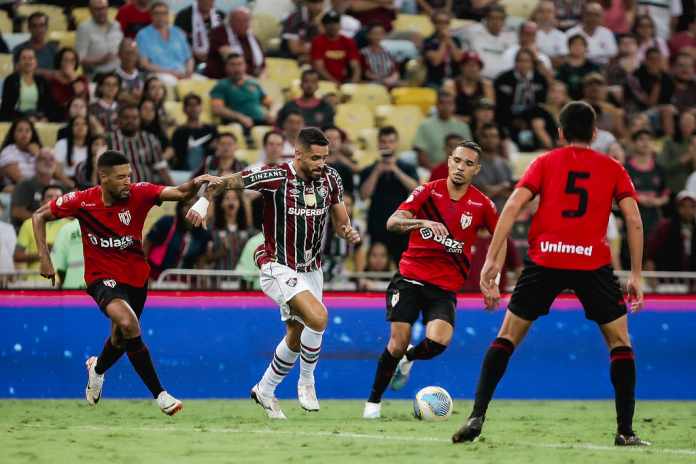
[{"x": 432, "y": 404}]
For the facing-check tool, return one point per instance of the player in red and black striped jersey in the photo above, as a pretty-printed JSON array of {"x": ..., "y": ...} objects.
[
  {"x": 111, "y": 217},
  {"x": 568, "y": 250},
  {"x": 299, "y": 197},
  {"x": 443, "y": 218}
]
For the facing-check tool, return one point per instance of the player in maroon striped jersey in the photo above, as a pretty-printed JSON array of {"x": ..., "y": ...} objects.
[
  {"x": 568, "y": 250},
  {"x": 111, "y": 217},
  {"x": 299, "y": 197}
]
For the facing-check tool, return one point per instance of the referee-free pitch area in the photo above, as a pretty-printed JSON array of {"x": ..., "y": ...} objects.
[{"x": 225, "y": 431}]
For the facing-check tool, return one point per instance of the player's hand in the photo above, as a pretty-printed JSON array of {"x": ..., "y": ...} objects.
[
  {"x": 489, "y": 285},
  {"x": 198, "y": 213},
  {"x": 351, "y": 235},
  {"x": 47, "y": 271},
  {"x": 436, "y": 227},
  {"x": 634, "y": 288},
  {"x": 212, "y": 181}
]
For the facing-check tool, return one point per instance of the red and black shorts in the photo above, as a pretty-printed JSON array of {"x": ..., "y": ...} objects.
[{"x": 104, "y": 291}]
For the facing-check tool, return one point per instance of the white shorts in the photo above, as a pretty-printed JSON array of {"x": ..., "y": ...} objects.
[{"x": 281, "y": 284}]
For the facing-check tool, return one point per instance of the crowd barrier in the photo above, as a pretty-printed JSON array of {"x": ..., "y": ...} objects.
[{"x": 217, "y": 345}]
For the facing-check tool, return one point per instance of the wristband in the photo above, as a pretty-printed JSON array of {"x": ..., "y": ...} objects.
[
  {"x": 201, "y": 207},
  {"x": 497, "y": 279}
]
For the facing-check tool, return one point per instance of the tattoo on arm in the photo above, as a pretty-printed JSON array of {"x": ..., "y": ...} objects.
[{"x": 401, "y": 222}]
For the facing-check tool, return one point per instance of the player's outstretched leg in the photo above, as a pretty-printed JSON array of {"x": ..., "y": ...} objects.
[
  {"x": 398, "y": 341},
  {"x": 495, "y": 362},
  {"x": 438, "y": 334},
  {"x": 623, "y": 378}
]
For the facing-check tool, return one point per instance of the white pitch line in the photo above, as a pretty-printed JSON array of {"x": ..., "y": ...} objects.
[{"x": 366, "y": 436}]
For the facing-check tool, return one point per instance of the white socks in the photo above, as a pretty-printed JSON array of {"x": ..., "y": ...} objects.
[
  {"x": 310, "y": 346},
  {"x": 282, "y": 363}
]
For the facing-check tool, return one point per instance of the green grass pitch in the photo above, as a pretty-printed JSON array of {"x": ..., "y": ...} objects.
[{"x": 221, "y": 431}]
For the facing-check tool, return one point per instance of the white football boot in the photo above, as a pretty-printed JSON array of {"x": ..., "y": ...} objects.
[
  {"x": 95, "y": 382},
  {"x": 402, "y": 372},
  {"x": 168, "y": 404},
  {"x": 307, "y": 396},
  {"x": 372, "y": 410},
  {"x": 269, "y": 404}
]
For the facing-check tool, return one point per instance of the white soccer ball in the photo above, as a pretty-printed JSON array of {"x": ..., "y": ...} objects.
[{"x": 432, "y": 404}]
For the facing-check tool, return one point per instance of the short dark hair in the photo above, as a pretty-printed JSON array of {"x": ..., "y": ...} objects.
[
  {"x": 292, "y": 112},
  {"x": 127, "y": 106},
  {"x": 268, "y": 135},
  {"x": 37, "y": 14},
  {"x": 442, "y": 94},
  {"x": 575, "y": 37},
  {"x": 59, "y": 58},
  {"x": 578, "y": 120},
  {"x": 496, "y": 8},
  {"x": 471, "y": 145},
  {"x": 308, "y": 72},
  {"x": 312, "y": 136},
  {"x": 639, "y": 133},
  {"x": 451, "y": 136},
  {"x": 192, "y": 96},
  {"x": 111, "y": 158},
  {"x": 232, "y": 56},
  {"x": 387, "y": 130},
  {"x": 227, "y": 134},
  {"x": 653, "y": 50},
  {"x": 49, "y": 187}
]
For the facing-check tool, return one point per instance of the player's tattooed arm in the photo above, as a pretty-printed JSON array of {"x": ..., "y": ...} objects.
[
  {"x": 198, "y": 213},
  {"x": 188, "y": 189},
  {"x": 403, "y": 222},
  {"x": 38, "y": 222}
]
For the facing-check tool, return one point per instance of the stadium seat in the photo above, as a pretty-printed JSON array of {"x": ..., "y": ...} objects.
[
  {"x": 415, "y": 72},
  {"x": 200, "y": 87},
  {"x": 365, "y": 158},
  {"x": 370, "y": 95},
  {"x": 56, "y": 19},
  {"x": 64, "y": 38},
  {"x": 4, "y": 129},
  {"x": 406, "y": 119},
  {"x": 353, "y": 118},
  {"x": 6, "y": 65},
  {"x": 519, "y": 8},
  {"x": 257, "y": 133},
  {"x": 324, "y": 88},
  {"x": 248, "y": 156},
  {"x": 424, "y": 97},
  {"x": 266, "y": 28},
  {"x": 367, "y": 139},
  {"x": 282, "y": 70},
  {"x": 48, "y": 133},
  {"x": 176, "y": 111},
  {"x": 273, "y": 91},
  {"x": 5, "y": 22},
  {"x": 237, "y": 130},
  {"x": 414, "y": 23},
  {"x": 522, "y": 162},
  {"x": 82, "y": 14}
]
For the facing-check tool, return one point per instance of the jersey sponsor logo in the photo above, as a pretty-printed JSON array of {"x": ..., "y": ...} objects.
[
  {"x": 125, "y": 217},
  {"x": 294, "y": 192},
  {"x": 112, "y": 242},
  {"x": 291, "y": 282},
  {"x": 307, "y": 211},
  {"x": 415, "y": 192},
  {"x": 473, "y": 203},
  {"x": 59, "y": 201},
  {"x": 111, "y": 283},
  {"x": 65, "y": 198},
  {"x": 465, "y": 220},
  {"x": 452, "y": 246},
  {"x": 265, "y": 175},
  {"x": 565, "y": 248}
]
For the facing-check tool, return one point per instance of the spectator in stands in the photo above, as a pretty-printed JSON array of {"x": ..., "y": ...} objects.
[
  {"x": 484, "y": 113},
  {"x": 549, "y": 39},
  {"x": 150, "y": 122},
  {"x": 44, "y": 50},
  {"x": 650, "y": 90},
  {"x": 428, "y": 7},
  {"x": 334, "y": 55},
  {"x": 26, "y": 197},
  {"x": 66, "y": 83},
  {"x": 676, "y": 158},
  {"x": 556, "y": 99},
  {"x": 197, "y": 21},
  {"x": 350, "y": 26},
  {"x": 337, "y": 252},
  {"x": 24, "y": 92},
  {"x": 97, "y": 40},
  {"x": 234, "y": 37},
  {"x": 442, "y": 51},
  {"x": 155, "y": 90},
  {"x": 495, "y": 177},
  {"x": 272, "y": 152},
  {"x": 684, "y": 96},
  {"x": 527, "y": 39},
  {"x": 340, "y": 157},
  {"x": 292, "y": 125},
  {"x": 105, "y": 108},
  {"x": 8, "y": 241},
  {"x": 672, "y": 245},
  {"x": 68, "y": 258},
  {"x": 568, "y": 13},
  {"x": 163, "y": 48},
  {"x": 519, "y": 94},
  {"x": 225, "y": 161},
  {"x": 78, "y": 107},
  {"x": 132, "y": 78},
  {"x": 623, "y": 65},
  {"x": 377, "y": 63},
  {"x": 378, "y": 260},
  {"x": 142, "y": 149},
  {"x": 469, "y": 87},
  {"x": 644, "y": 30},
  {"x": 240, "y": 98},
  {"x": 230, "y": 232},
  {"x": 72, "y": 149},
  {"x": 19, "y": 151},
  {"x": 664, "y": 13},
  {"x": 387, "y": 182},
  {"x": 619, "y": 15},
  {"x": 374, "y": 11},
  {"x": 86, "y": 171},
  {"x": 648, "y": 178},
  {"x": 601, "y": 44},
  {"x": 315, "y": 111},
  {"x": 299, "y": 29},
  {"x": 609, "y": 117},
  {"x": 441, "y": 171},
  {"x": 174, "y": 243},
  {"x": 684, "y": 40},
  {"x": 576, "y": 67},
  {"x": 429, "y": 141},
  {"x": 193, "y": 140},
  {"x": 134, "y": 16},
  {"x": 26, "y": 254},
  {"x": 490, "y": 40}
]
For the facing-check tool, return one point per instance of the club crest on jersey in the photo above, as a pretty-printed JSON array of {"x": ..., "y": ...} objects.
[
  {"x": 111, "y": 283},
  {"x": 125, "y": 217},
  {"x": 465, "y": 220},
  {"x": 310, "y": 199},
  {"x": 322, "y": 191},
  {"x": 291, "y": 282},
  {"x": 394, "y": 298}
]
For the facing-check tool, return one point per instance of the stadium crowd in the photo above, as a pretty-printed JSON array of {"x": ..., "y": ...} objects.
[{"x": 184, "y": 87}]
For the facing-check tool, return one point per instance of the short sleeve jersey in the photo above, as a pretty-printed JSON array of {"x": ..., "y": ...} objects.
[
  {"x": 445, "y": 261},
  {"x": 577, "y": 187},
  {"x": 111, "y": 235}
]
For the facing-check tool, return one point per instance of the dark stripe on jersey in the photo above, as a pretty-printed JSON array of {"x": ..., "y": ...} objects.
[
  {"x": 280, "y": 211},
  {"x": 300, "y": 237},
  {"x": 95, "y": 224},
  {"x": 462, "y": 263}
]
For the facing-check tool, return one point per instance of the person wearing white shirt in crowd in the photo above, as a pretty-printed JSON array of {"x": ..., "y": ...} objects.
[
  {"x": 490, "y": 40},
  {"x": 73, "y": 149},
  {"x": 8, "y": 240},
  {"x": 292, "y": 125},
  {"x": 549, "y": 39},
  {"x": 601, "y": 44},
  {"x": 97, "y": 40},
  {"x": 665, "y": 13},
  {"x": 527, "y": 39},
  {"x": 349, "y": 25},
  {"x": 272, "y": 153}
]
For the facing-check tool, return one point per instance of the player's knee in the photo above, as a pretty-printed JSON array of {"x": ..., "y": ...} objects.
[
  {"x": 616, "y": 340},
  {"x": 397, "y": 345},
  {"x": 128, "y": 326},
  {"x": 319, "y": 318}
]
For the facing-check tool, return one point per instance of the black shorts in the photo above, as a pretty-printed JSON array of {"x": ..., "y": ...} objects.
[
  {"x": 407, "y": 298},
  {"x": 598, "y": 291},
  {"x": 104, "y": 291}
]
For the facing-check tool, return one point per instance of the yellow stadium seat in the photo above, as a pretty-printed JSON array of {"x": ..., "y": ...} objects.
[
  {"x": 522, "y": 162},
  {"x": 257, "y": 133},
  {"x": 48, "y": 133},
  {"x": 6, "y": 65},
  {"x": 365, "y": 158},
  {"x": 415, "y": 72},
  {"x": 4, "y": 129},
  {"x": 266, "y": 27},
  {"x": 414, "y": 23},
  {"x": 367, "y": 139},
  {"x": 282, "y": 70},
  {"x": 424, "y": 97},
  {"x": 81, "y": 14},
  {"x": 56, "y": 19},
  {"x": 175, "y": 110},
  {"x": 64, "y": 38},
  {"x": 324, "y": 88},
  {"x": 248, "y": 156},
  {"x": 200, "y": 87},
  {"x": 273, "y": 91},
  {"x": 519, "y": 8},
  {"x": 370, "y": 95},
  {"x": 5, "y": 22},
  {"x": 405, "y": 119},
  {"x": 354, "y": 117},
  {"x": 237, "y": 130}
]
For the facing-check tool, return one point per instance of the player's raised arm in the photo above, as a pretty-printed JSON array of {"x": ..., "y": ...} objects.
[
  {"x": 199, "y": 211},
  {"x": 634, "y": 230},
  {"x": 403, "y": 222},
  {"x": 341, "y": 224},
  {"x": 188, "y": 189},
  {"x": 38, "y": 222}
]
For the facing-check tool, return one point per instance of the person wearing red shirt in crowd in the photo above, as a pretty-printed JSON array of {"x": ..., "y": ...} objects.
[
  {"x": 443, "y": 218},
  {"x": 134, "y": 16},
  {"x": 683, "y": 41},
  {"x": 334, "y": 54},
  {"x": 567, "y": 250},
  {"x": 111, "y": 217}
]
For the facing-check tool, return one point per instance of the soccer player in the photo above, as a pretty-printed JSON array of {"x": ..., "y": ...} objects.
[
  {"x": 568, "y": 250},
  {"x": 111, "y": 217},
  {"x": 442, "y": 218},
  {"x": 298, "y": 197}
]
